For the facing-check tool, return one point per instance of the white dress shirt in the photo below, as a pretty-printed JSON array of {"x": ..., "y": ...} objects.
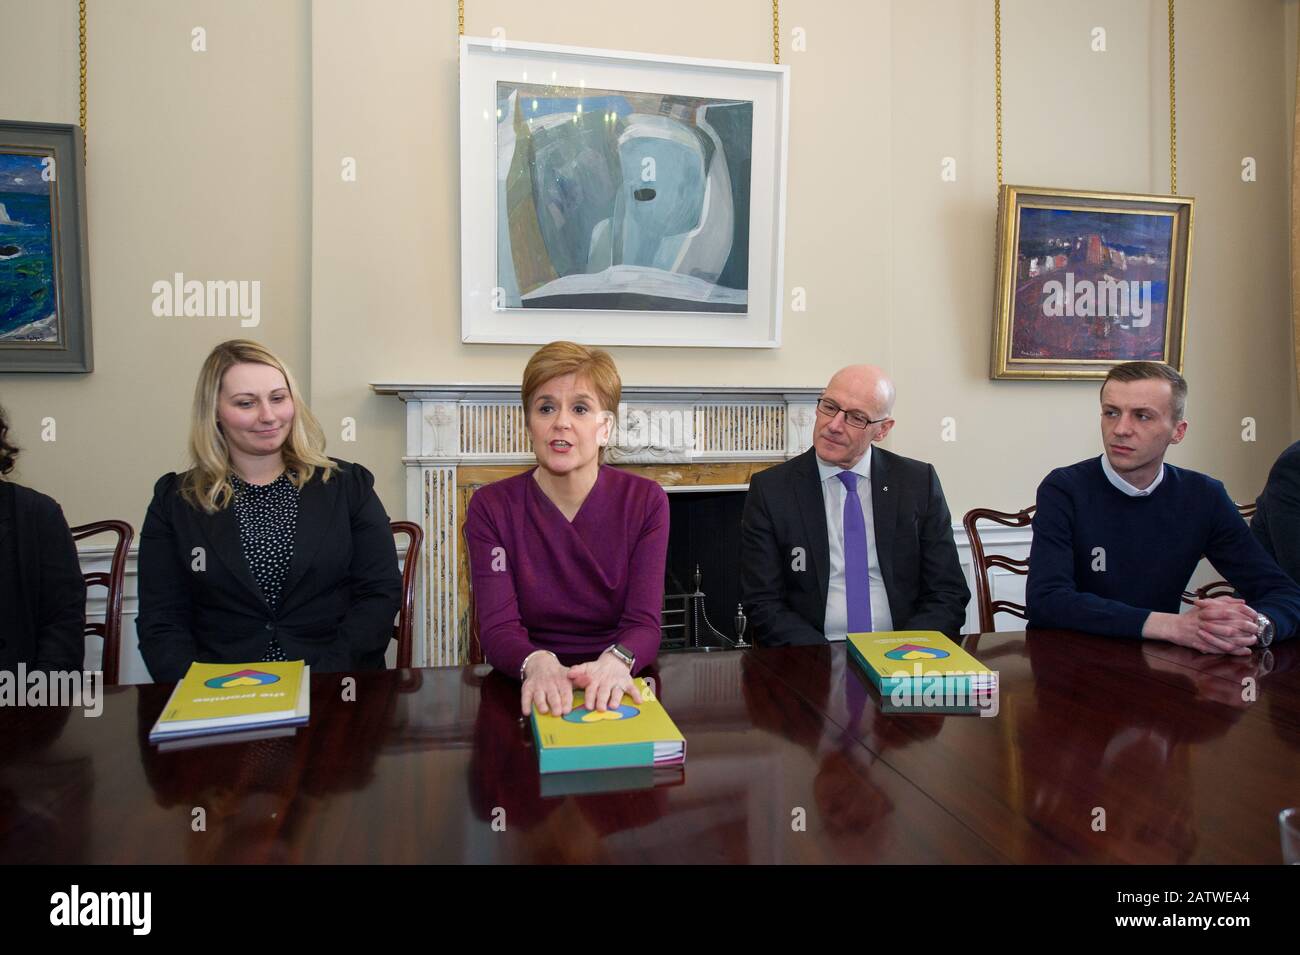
[
  {"x": 833, "y": 491},
  {"x": 1114, "y": 478}
]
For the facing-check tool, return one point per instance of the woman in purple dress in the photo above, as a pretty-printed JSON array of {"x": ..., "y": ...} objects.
[{"x": 567, "y": 559}]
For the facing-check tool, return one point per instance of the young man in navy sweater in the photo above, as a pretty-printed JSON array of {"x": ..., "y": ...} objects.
[{"x": 1116, "y": 538}]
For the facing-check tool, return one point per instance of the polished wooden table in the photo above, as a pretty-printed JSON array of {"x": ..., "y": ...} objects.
[{"x": 1101, "y": 751}]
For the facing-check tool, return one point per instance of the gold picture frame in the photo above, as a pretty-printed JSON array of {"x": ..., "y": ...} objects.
[{"x": 1087, "y": 280}]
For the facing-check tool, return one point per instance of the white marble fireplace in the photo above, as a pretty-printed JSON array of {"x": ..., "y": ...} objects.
[{"x": 461, "y": 436}]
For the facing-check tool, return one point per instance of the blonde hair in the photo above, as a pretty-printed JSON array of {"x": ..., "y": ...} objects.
[
  {"x": 206, "y": 485},
  {"x": 569, "y": 358}
]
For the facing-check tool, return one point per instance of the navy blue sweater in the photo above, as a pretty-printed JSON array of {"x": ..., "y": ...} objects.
[{"x": 1149, "y": 549}]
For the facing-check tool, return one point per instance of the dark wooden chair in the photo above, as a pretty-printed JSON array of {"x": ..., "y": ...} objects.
[
  {"x": 1219, "y": 588},
  {"x": 111, "y": 629},
  {"x": 402, "y": 630},
  {"x": 982, "y": 562}
]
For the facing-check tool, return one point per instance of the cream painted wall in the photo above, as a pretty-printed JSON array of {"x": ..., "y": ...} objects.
[
  {"x": 197, "y": 163},
  {"x": 386, "y": 276},
  {"x": 1078, "y": 119},
  {"x": 898, "y": 265},
  {"x": 203, "y": 163}
]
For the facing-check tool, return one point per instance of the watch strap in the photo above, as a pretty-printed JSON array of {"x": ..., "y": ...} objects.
[{"x": 623, "y": 654}]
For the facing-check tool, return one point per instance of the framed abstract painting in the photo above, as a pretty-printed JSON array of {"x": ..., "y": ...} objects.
[
  {"x": 1086, "y": 280},
  {"x": 618, "y": 198},
  {"x": 44, "y": 273}
]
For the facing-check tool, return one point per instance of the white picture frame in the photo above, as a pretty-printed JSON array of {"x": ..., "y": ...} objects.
[{"x": 484, "y": 319}]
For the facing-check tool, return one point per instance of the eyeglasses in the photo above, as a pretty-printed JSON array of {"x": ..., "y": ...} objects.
[{"x": 855, "y": 418}]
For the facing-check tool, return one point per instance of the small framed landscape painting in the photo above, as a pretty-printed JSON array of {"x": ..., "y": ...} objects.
[
  {"x": 617, "y": 198},
  {"x": 44, "y": 277},
  {"x": 1086, "y": 280}
]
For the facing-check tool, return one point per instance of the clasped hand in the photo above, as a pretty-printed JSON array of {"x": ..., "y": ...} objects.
[
  {"x": 1217, "y": 625},
  {"x": 549, "y": 684}
]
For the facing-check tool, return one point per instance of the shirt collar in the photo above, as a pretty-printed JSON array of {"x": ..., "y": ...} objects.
[
  {"x": 1113, "y": 477},
  {"x": 828, "y": 471}
]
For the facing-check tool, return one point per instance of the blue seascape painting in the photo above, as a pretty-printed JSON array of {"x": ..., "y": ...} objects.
[{"x": 28, "y": 293}]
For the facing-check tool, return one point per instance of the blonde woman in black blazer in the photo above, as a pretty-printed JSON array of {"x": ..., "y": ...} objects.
[{"x": 266, "y": 549}]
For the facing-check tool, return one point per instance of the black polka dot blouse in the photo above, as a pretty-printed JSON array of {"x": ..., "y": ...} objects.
[{"x": 268, "y": 517}]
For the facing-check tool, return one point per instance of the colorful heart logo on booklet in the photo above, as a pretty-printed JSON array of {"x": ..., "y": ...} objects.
[
  {"x": 910, "y": 651},
  {"x": 584, "y": 715},
  {"x": 241, "y": 678}
]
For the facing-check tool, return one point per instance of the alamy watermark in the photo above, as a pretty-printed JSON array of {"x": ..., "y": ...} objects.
[
  {"x": 53, "y": 688},
  {"x": 637, "y": 429},
  {"x": 1107, "y": 298},
  {"x": 212, "y": 299},
  {"x": 75, "y": 907},
  {"x": 947, "y": 689}
]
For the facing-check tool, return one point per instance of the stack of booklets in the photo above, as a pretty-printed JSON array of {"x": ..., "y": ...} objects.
[
  {"x": 922, "y": 671},
  {"x": 630, "y": 734},
  {"x": 235, "y": 701}
]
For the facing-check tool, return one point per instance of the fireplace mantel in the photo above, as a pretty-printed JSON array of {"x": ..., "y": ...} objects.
[
  {"x": 463, "y": 423},
  {"x": 458, "y": 433}
]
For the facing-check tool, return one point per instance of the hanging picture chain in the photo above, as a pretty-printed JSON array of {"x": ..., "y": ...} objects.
[
  {"x": 460, "y": 26},
  {"x": 997, "y": 90},
  {"x": 776, "y": 32},
  {"x": 81, "y": 14},
  {"x": 997, "y": 82},
  {"x": 1173, "y": 112}
]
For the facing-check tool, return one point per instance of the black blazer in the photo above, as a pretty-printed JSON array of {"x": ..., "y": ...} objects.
[
  {"x": 42, "y": 591},
  {"x": 1276, "y": 523},
  {"x": 199, "y": 601},
  {"x": 784, "y": 509}
]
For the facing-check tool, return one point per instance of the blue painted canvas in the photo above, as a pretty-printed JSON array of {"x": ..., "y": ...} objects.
[
  {"x": 28, "y": 291},
  {"x": 615, "y": 200}
]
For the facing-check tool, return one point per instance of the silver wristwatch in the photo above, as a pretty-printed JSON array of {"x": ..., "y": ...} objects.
[
  {"x": 623, "y": 654},
  {"x": 1266, "y": 630}
]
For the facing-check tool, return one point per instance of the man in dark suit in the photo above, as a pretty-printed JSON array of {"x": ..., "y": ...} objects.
[
  {"x": 1276, "y": 523},
  {"x": 847, "y": 538}
]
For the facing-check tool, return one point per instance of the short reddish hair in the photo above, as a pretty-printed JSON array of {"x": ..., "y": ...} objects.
[{"x": 569, "y": 358}]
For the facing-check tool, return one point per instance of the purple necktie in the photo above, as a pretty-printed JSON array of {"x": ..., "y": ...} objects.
[{"x": 857, "y": 581}]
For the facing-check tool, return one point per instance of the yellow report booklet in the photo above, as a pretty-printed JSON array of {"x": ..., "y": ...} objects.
[
  {"x": 219, "y": 697},
  {"x": 923, "y": 670},
  {"x": 631, "y": 734}
]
